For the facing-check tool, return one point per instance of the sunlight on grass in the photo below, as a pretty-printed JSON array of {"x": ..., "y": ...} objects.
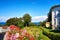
[{"x": 36, "y": 32}]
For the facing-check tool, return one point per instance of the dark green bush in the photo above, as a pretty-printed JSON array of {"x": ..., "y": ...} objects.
[
  {"x": 51, "y": 35},
  {"x": 32, "y": 24}
]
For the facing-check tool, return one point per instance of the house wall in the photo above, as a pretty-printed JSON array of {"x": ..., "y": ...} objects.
[
  {"x": 55, "y": 24},
  {"x": 47, "y": 24}
]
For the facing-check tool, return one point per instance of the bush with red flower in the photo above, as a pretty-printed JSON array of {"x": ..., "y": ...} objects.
[{"x": 16, "y": 33}]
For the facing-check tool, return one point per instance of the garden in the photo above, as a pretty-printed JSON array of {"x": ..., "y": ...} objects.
[
  {"x": 26, "y": 33},
  {"x": 23, "y": 29}
]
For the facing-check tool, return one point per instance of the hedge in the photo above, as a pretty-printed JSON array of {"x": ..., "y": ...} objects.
[{"x": 51, "y": 35}]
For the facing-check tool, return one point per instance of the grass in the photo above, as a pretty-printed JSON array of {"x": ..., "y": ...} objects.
[{"x": 36, "y": 32}]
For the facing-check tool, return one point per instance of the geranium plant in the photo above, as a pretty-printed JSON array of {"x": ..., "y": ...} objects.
[{"x": 16, "y": 33}]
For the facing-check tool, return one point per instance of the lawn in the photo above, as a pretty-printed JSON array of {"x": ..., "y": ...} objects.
[{"x": 36, "y": 32}]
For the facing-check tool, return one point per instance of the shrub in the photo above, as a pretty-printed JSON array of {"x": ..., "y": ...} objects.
[
  {"x": 51, "y": 35},
  {"x": 32, "y": 24}
]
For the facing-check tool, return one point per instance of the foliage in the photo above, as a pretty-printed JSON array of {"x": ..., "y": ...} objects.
[
  {"x": 49, "y": 17},
  {"x": 42, "y": 23},
  {"x": 32, "y": 24},
  {"x": 15, "y": 21},
  {"x": 20, "y": 23},
  {"x": 12, "y": 21},
  {"x": 36, "y": 32},
  {"x": 51, "y": 35},
  {"x": 27, "y": 19}
]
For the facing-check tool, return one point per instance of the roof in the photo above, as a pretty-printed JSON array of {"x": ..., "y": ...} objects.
[{"x": 54, "y": 7}]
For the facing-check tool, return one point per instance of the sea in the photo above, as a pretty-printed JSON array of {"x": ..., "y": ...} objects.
[
  {"x": 37, "y": 23},
  {"x": 3, "y": 23}
]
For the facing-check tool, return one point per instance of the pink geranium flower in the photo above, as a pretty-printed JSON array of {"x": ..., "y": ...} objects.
[
  {"x": 24, "y": 32},
  {"x": 13, "y": 37},
  {"x": 18, "y": 35}
]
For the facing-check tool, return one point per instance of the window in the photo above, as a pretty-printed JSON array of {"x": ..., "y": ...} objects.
[
  {"x": 59, "y": 27},
  {"x": 59, "y": 11},
  {"x": 59, "y": 21},
  {"x": 54, "y": 21}
]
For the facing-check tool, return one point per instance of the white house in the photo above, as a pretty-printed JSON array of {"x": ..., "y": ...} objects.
[{"x": 55, "y": 17}]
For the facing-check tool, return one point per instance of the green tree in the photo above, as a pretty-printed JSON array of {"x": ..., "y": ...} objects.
[
  {"x": 32, "y": 24},
  {"x": 27, "y": 19},
  {"x": 49, "y": 16},
  {"x": 12, "y": 21},
  {"x": 20, "y": 23},
  {"x": 42, "y": 23}
]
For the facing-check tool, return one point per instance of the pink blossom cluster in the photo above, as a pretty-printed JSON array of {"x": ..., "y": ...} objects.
[{"x": 16, "y": 33}]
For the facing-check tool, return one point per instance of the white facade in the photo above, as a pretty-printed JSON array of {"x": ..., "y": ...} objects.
[{"x": 56, "y": 18}]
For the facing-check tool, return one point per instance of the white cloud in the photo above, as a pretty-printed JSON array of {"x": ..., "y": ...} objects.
[
  {"x": 38, "y": 18},
  {"x": 34, "y": 19},
  {"x": 4, "y": 19}
]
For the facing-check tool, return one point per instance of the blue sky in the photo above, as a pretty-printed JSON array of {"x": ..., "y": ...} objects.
[{"x": 38, "y": 9}]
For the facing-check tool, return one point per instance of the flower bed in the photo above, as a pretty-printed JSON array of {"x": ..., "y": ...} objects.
[
  {"x": 36, "y": 32},
  {"x": 16, "y": 33}
]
